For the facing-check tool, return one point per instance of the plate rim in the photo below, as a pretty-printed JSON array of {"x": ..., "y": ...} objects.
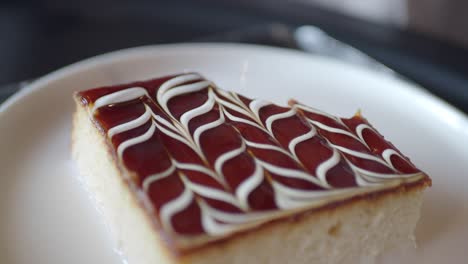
[
  {"x": 123, "y": 54},
  {"x": 428, "y": 100}
]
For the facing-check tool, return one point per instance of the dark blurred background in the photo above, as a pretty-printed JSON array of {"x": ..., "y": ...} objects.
[{"x": 427, "y": 41}]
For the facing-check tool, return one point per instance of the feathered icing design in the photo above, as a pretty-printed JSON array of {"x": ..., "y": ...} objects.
[{"x": 213, "y": 162}]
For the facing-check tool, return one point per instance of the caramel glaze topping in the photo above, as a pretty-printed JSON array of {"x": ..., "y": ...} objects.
[{"x": 214, "y": 162}]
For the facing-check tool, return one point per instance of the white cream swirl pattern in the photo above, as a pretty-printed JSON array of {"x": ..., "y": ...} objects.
[{"x": 295, "y": 184}]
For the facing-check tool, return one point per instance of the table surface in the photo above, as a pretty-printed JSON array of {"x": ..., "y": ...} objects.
[{"x": 43, "y": 36}]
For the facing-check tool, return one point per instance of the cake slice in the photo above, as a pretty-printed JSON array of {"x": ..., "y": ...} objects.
[{"x": 186, "y": 172}]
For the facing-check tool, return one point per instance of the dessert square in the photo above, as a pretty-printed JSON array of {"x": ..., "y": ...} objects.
[{"x": 186, "y": 172}]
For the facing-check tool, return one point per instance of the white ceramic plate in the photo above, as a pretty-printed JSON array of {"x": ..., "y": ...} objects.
[{"x": 46, "y": 217}]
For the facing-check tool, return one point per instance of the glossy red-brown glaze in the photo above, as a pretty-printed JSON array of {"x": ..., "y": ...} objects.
[{"x": 160, "y": 151}]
